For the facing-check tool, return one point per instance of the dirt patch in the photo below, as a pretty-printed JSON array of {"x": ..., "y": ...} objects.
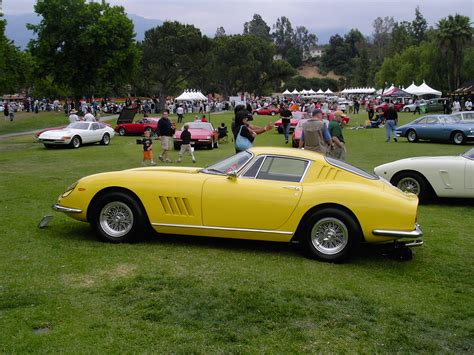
[
  {"x": 310, "y": 71},
  {"x": 88, "y": 281}
]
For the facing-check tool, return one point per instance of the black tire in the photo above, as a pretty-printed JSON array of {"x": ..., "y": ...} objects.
[
  {"x": 105, "y": 139},
  {"x": 280, "y": 129},
  {"x": 118, "y": 218},
  {"x": 75, "y": 142},
  {"x": 211, "y": 145},
  {"x": 458, "y": 138},
  {"x": 122, "y": 131},
  {"x": 319, "y": 238},
  {"x": 216, "y": 144},
  {"x": 412, "y": 136},
  {"x": 414, "y": 182},
  {"x": 406, "y": 109}
]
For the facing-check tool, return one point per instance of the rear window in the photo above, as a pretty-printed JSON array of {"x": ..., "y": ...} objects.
[{"x": 351, "y": 168}]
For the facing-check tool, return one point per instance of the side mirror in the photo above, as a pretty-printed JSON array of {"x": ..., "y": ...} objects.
[{"x": 232, "y": 175}]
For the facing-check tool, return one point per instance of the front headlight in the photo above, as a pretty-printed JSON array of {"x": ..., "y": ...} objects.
[{"x": 69, "y": 189}]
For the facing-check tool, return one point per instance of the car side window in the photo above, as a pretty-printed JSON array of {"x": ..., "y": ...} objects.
[
  {"x": 282, "y": 169},
  {"x": 94, "y": 126},
  {"x": 431, "y": 120},
  {"x": 422, "y": 121},
  {"x": 253, "y": 170}
]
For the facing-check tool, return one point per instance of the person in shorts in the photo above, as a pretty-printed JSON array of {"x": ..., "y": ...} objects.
[
  {"x": 165, "y": 131},
  {"x": 186, "y": 144},
  {"x": 147, "y": 149}
]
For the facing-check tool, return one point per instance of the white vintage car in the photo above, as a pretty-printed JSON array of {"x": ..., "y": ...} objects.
[
  {"x": 76, "y": 134},
  {"x": 427, "y": 177}
]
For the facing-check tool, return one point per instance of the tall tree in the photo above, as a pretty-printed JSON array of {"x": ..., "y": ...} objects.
[
  {"x": 381, "y": 35},
  {"x": 419, "y": 27},
  {"x": 454, "y": 34},
  {"x": 87, "y": 47},
  {"x": 171, "y": 54},
  {"x": 353, "y": 39},
  {"x": 283, "y": 35},
  {"x": 401, "y": 38},
  {"x": 337, "y": 56},
  {"x": 303, "y": 40},
  {"x": 258, "y": 27},
  {"x": 220, "y": 32}
]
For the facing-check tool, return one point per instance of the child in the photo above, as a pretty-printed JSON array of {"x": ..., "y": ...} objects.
[
  {"x": 147, "y": 149},
  {"x": 186, "y": 144}
]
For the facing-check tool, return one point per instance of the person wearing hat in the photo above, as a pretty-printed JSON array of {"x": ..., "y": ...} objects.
[
  {"x": 335, "y": 128},
  {"x": 73, "y": 117},
  {"x": 315, "y": 135}
]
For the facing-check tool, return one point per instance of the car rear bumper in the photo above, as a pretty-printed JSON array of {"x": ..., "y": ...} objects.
[{"x": 416, "y": 233}]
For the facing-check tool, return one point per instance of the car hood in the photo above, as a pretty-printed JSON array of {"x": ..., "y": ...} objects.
[
  {"x": 57, "y": 133},
  {"x": 170, "y": 169}
]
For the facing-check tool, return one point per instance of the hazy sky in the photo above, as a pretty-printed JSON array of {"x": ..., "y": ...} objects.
[{"x": 315, "y": 15}]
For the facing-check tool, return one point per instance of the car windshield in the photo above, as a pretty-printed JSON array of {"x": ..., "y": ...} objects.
[
  {"x": 79, "y": 125},
  {"x": 469, "y": 154},
  {"x": 200, "y": 125},
  {"x": 233, "y": 163},
  {"x": 351, "y": 168}
]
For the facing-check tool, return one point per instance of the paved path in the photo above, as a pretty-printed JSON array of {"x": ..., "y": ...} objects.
[{"x": 29, "y": 133}]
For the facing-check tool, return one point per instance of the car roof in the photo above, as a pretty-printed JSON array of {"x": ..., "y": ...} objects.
[{"x": 290, "y": 152}]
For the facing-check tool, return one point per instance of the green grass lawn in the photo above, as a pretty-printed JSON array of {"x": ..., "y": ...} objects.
[{"x": 61, "y": 290}]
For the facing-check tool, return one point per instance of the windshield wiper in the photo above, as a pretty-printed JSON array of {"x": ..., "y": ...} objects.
[{"x": 212, "y": 171}]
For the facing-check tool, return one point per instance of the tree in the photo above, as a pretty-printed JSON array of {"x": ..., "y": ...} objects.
[
  {"x": 381, "y": 35},
  {"x": 468, "y": 65},
  {"x": 337, "y": 56},
  {"x": 89, "y": 52},
  {"x": 283, "y": 36},
  {"x": 401, "y": 38},
  {"x": 419, "y": 27},
  {"x": 171, "y": 54},
  {"x": 295, "y": 57},
  {"x": 220, "y": 32},
  {"x": 353, "y": 38},
  {"x": 453, "y": 35},
  {"x": 303, "y": 40},
  {"x": 258, "y": 27}
]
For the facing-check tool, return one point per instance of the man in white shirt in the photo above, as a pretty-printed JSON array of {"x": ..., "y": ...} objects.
[
  {"x": 468, "y": 104},
  {"x": 89, "y": 117},
  {"x": 180, "y": 112},
  {"x": 73, "y": 117}
]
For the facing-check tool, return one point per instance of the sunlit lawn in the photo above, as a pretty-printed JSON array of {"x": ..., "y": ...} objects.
[{"x": 63, "y": 291}]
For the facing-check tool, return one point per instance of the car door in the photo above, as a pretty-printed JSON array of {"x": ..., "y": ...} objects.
[
  {"x": 262, "y": 198},
  {"x": 469, "y": 177},
  {"x": 96, "y": 132}
]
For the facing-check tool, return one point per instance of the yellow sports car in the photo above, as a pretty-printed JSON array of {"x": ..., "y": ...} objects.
[{"x": 273, "y": 194}]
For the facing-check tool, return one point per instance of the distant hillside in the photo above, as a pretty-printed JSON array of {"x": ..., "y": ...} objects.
[
  {"x": 16, "y": 27},
  {"x": 310, "y": 71}
]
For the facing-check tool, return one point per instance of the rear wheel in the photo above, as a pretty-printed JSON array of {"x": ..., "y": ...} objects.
[
  {"x": 273, "y": 113},
  {"x": 122, "y": 131},
  {"x": 105, "y": 139},
  {"x": 412, "y": 136},
  {"x": 216, "y": 144},
  {"x": 331, "y": 235},
  {"x": 280, "y": 129},
  {"x": 75, "y": 142},
  {"x": 459, "y": 138},
  {"x": 118, "y": 218},
  {"x": 410, "y": 181},
  {"x": 406, "y": 109}
]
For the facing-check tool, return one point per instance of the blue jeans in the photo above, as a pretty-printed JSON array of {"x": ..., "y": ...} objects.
[
  {"x": 286, "y": 130},
  {"x": 390, "y": 126}
]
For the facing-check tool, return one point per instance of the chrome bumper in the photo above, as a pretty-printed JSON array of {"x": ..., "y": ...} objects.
[
  {"x": 60, "y": 208},
  {"x": 417, "y": 233}
]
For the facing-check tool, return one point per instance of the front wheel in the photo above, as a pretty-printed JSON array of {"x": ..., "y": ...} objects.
[
  {"x": 412, "y": 182},
  {"x": 273, "y": 113},
  {"x": 75, "y": 142},
  {"x": 412, "y": 136},
  {"x": 118, "y": 218},
  {"x": 406, "y": 109},
  {"x": 331, "y": 235},
  {"x": 459, "y": 138},
  {"x": 105, "y": 139},
  {"x": 122, "y": 131}
]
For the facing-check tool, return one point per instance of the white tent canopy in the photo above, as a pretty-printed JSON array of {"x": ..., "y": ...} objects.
[
  {"x": 189, "y": 95},
  {"x": 295, "y": 92},
  {"x": 286, "y": 92},
  {"x": 328, "y": 91},
  {"x": 358, "y": 90},
  {"x": 424, "y": 89},
  {"x": 311, "y": 92},
  {"x": 412, "y": 88},
  {"x": 320, "y": 91}
]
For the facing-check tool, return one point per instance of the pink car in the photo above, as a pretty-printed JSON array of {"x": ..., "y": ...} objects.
[
  {"x": 296, "y": 116},
  {"x": 202, "y": 134}
]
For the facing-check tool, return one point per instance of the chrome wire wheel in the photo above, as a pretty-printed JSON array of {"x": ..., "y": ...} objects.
[
  {"x": 458, "y": 138},
  {"x": 329, "y": 236},
  {"x": 116, "y": 219},
  {"x": 409, "y": 184}
]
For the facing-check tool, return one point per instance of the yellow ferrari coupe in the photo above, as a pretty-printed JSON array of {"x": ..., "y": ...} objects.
[{"x": 272, "y": 194}]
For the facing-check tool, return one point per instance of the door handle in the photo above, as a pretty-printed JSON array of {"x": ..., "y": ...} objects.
[{"x": 297, "y": 188}]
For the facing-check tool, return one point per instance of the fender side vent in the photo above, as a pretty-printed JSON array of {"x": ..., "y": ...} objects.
[{"x": 176, "y": 206}]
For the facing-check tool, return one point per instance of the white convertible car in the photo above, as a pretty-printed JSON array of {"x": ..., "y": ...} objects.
[
  {"x": 451, "y": 176},
  {"x": 76, "y": 134}
]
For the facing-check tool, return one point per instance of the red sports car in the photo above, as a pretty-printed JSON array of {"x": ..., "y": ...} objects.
[
  {"x": 397, "y": 106},
  {"x": 202, "y": 134},
  {"x": 138, "y": 127},
  {"x": 267, "y": 111}
]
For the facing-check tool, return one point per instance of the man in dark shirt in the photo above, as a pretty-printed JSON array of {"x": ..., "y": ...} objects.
[
  {"x": 186, "y": 144},
  {"x": 165, "y": 131},
  {"x": 285, "y": 115},
  {"x": 391, "y": 119}
]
